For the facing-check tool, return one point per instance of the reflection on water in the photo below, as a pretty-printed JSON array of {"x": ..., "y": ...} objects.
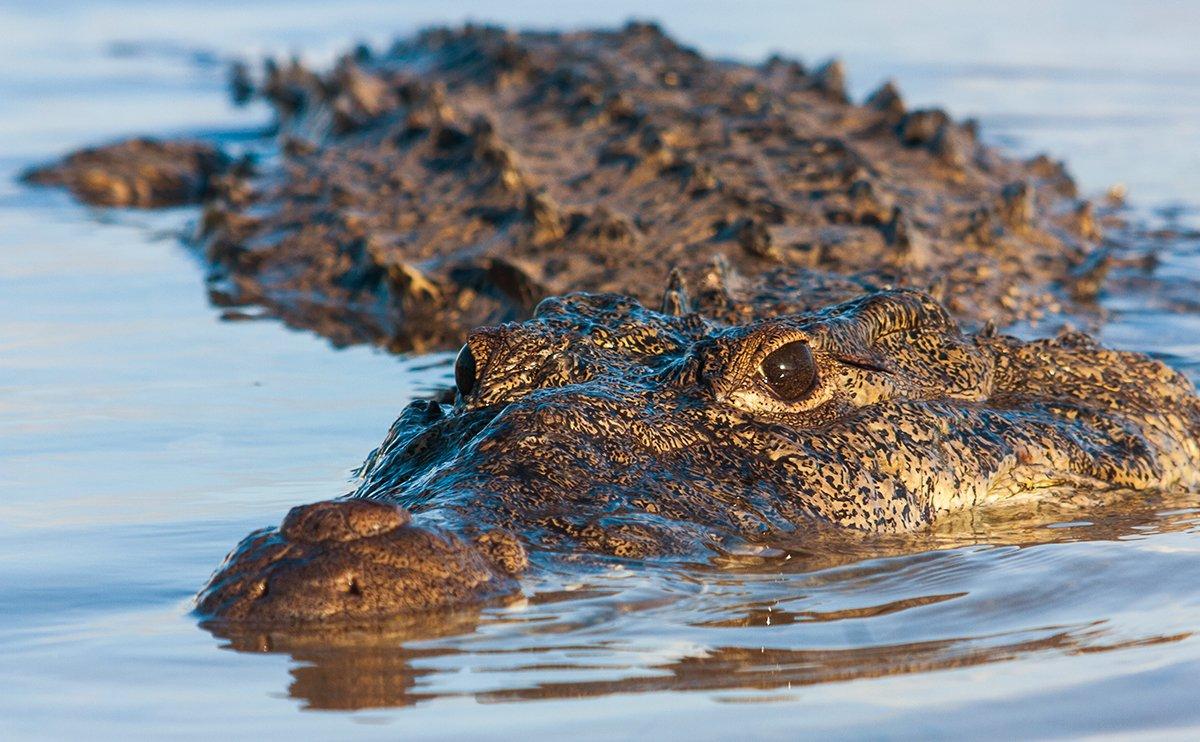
[
  {"x": 379, "y": 670},
  {"x": 141, "y": 436},
  {"x": 885, "y": 607}
]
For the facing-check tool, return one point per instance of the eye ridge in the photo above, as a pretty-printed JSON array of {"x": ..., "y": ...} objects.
[
  {"x": 464, "y": 371},
  {"x": 790, "y": 371}
]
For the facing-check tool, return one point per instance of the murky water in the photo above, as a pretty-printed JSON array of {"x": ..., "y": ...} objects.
[{"x": 141, "y": 436}]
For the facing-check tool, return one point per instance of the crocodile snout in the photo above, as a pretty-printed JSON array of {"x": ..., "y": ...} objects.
[{"x": 357, "y": 560}]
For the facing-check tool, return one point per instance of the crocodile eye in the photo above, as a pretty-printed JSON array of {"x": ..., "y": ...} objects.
[
  {"x": 790, "y": 371},
  {"x": 464, "y": 371}
]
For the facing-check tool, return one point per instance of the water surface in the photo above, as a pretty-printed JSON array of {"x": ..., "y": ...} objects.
[{"x": 141, "y": 435}]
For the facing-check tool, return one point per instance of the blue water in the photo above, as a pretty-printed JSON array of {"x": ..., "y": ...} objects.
[{"x": 141, "y": 435}]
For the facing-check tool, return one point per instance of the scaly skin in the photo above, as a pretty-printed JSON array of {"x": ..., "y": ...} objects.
[
  {"x": 601, "y": 427},
  {"x": 464, "y": 174}
]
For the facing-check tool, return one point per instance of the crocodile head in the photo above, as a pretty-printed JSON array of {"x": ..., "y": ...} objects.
[{"x": 602, "y": 428}]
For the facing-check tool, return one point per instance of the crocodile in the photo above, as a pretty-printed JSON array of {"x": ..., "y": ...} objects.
[
  {"x": 601, "y": 429},
  {"x": 460, "y": 176},
  {"x": 825, "y": 359}
]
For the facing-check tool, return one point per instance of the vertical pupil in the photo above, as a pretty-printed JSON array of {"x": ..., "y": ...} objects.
[{"x": 464, "y": 371}]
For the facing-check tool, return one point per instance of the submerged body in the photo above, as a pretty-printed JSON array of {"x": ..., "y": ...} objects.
[{"x": 600, "y": 427}]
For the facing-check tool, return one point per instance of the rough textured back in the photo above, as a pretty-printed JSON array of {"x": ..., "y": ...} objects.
[{"x": 464, "y": 174}]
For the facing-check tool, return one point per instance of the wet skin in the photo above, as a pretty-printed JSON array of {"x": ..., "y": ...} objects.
[
  {"x": 461, "y": 176},
  {"x": 600, "y": 428}
]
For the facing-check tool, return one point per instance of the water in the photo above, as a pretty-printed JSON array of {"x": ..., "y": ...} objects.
[{"x": 141, "y": 435}]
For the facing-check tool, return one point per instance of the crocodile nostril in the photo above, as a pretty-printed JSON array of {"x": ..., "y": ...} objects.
[
  {"x": 342, "y": 520},
  {"x": 354, "y": 588}
]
